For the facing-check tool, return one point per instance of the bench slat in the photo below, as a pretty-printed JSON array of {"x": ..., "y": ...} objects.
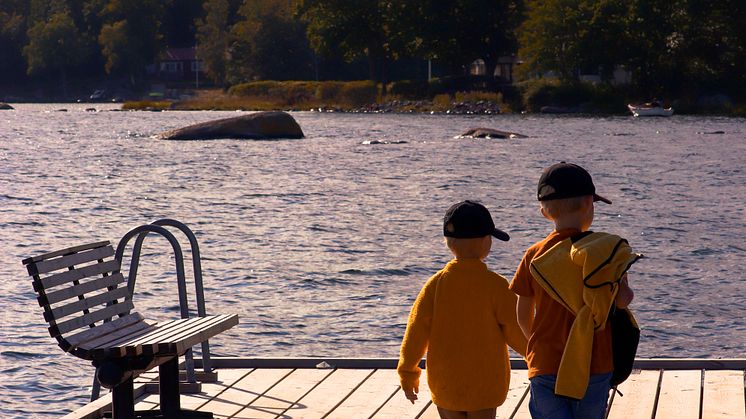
[
  {"x": 163, "y": 341},
  {"x": 223, "y": 323},
  {"x": 74, "y": 249},
  {"x": 79, "y": 339},
  {"x": 76, "y": 274},
  {"x": 78, "y": 290},
  {"x": 90, "y": 301},
  {"x": 45, "y": 266},
  {"x": 107, "y": 346},
  {"x": 136, "y": 344},
  {"x": 92, "y": 317}
]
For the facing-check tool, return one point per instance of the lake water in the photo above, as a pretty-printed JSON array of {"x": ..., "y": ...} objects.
[{"x": 321, "y": 244}]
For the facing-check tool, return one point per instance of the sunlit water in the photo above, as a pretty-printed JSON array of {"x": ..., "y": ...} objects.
[{"x": 321, "y": 244}]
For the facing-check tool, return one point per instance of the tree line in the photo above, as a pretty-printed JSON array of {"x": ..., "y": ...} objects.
[{"x": 668, "y": 46}]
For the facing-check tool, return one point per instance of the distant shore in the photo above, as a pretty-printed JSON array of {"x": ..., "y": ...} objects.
[{"x": 401, "y": 98}]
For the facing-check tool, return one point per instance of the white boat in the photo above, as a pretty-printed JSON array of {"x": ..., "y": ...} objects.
[{"x": 641, "y": 110}]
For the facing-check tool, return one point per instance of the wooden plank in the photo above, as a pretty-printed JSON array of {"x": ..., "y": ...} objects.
[
  {"x": 85, "y": 256},
  {"x": 431, "y": 412},
  {"x": 89, "y": 302},
  {"x": 369, "y": 396},
  {"x": 81, "y": 338},
  {"x": 211, "y": 391},
  {"x": 79, "y": 273},
  {"x": 517, "y": 392},
  {"x": 74, "y": 249},
  {"x": 84, "y": 288},
  {"x": 400, "y": 407},
  {"x": 92, "y": 317},
  {"x": 679, "y": 395},
  {"x": 244, "y": 392},
  {"x": 111, "y": 339},
  {"x": 328, "y": 394},
  {"x": 723, "y": 395},
  {"x": 178, "y": 336},
  {"x": 640, "y": 393},
  {"x": 690, "y": 364},
  {"x": 283, "y": 397},
  {"x": 221, "y": 324},
  {"x": 515, "y": 363}
]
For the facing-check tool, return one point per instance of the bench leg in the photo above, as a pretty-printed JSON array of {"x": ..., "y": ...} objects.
[
  {"x": 168, "y": 373},
  {"x": 122, "y": 400}
]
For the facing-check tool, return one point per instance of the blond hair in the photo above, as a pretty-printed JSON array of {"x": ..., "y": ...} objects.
[
  {"x": 555, "y": 208},
  {"x": 466, "y": 248}
]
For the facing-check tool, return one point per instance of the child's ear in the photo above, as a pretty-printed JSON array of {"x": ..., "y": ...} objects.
[{"x": 544, "y": 213}]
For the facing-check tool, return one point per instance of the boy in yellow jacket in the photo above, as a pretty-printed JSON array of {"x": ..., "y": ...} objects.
[
  {"x": 566, "y": 194},
  {"x": 463, "y": 317}
]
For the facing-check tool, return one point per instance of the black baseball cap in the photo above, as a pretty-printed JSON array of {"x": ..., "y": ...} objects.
[
  {"x": 566, "y": 180},
  {"x": 470, "y": 220}
]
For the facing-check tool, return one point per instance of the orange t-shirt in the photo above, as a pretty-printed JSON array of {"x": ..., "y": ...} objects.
[{"x": 552, "y": 321}]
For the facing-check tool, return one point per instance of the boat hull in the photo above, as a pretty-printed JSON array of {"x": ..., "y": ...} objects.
[{"x": 649, "y": 111}]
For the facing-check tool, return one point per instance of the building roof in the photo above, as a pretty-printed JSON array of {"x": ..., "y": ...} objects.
[{"x": 179, "y": 54}]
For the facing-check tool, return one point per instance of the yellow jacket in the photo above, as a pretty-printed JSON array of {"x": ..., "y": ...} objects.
[
  {"x": 463, "y": 318},
  {"x": 584, "y": 277}
]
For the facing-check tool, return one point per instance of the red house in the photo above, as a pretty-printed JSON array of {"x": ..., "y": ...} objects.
[{"x": 179, "y": 64}]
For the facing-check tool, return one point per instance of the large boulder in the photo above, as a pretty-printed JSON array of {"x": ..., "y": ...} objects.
[
  {"x": 5, "y": 107},
  {"x": 257, "y": 126},
  {"x": 490, "y": 133}
]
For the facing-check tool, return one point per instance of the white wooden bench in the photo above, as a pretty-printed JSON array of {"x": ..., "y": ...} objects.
[{"x": 89, "y": 309}]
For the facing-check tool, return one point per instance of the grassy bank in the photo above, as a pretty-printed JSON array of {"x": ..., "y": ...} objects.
[{"x": 455, "y": 95}]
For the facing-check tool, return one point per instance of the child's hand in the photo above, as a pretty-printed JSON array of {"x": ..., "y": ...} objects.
[
  {"x": 625, "y": 295},
  {"x": 411, "y": 393}
]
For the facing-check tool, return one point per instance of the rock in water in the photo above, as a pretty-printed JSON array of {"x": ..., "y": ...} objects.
[
  {"x": 5, "y": 106},
  {"x": 256, "y": 126},
  {"x": 490, "y": 133}
]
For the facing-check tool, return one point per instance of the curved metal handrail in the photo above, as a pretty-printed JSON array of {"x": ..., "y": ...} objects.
[
  {"x": 197, "y": 272},
  {"x": 141, "y": 233}
]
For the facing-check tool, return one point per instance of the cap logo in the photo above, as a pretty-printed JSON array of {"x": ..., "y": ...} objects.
[{"x": 450, "y": 228}]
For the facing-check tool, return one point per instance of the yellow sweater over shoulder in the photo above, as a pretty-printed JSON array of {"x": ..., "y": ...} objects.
[{"x": 463, "y": 318}]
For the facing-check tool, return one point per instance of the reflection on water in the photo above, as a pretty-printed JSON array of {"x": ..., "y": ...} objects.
[{"x": 321, "y": 244}]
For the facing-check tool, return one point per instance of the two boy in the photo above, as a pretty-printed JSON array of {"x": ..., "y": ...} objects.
[{"x": 465, "y": 307}]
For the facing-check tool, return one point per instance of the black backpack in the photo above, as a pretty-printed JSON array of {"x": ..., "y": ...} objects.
[{"x": 625, "y": 336}]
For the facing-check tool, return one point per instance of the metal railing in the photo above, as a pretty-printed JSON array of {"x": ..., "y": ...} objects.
[{"x": 158, "y": 227}]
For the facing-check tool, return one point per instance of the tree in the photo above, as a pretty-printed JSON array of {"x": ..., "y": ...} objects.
[
  {"x": 714, "y": 39},
  {"x": 354, "y": 28},
  {"x": 12, "y": 39},
  {"x": 269, "y": 43},
  {"x": 54, "y": 45},
  {"x": 131, "y": 38},
  {"x": 456, "y": 32},
  {"x": 552, "y": 36},
  {"x": 657, "y": 56},
  {"x": 213, "y": 38}
]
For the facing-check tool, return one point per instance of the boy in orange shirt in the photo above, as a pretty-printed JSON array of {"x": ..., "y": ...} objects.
[
  {"x": 566, "y": 194},
  {"x": 463, "y": 317}
]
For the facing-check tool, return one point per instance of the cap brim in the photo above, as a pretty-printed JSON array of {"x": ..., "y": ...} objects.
[
  {"x": 600, "y": 198},
  {"x": 500, "y": 235}
]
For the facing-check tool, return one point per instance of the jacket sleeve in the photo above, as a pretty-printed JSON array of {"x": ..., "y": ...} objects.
[
  {"x": 417, "y": 336},
  {"x": 509, "y": 322}
]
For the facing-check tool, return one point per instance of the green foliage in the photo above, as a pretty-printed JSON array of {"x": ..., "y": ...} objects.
[
  {"x": 309, "y": 93},
  {"x": 146, "y": 105},
  {"x": 53, "y": 45},
  {"x": 130, "y": 39},
  {"x": 458, "y": 33},
  {"x": 359, "y": 93},
  {"x": 583, "y": 96},
  {"x": 352, "y": 29},
  {"x": 412, "y": 89},
  {"x": 213, "y": 40}
]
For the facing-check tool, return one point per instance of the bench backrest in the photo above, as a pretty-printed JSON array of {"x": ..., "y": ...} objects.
[{"x": 81, "y": 290}]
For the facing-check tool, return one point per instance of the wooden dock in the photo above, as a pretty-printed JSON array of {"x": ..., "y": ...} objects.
[{"x": 369, "y": 388}]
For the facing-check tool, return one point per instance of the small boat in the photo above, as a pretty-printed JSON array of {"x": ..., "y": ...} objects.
[{"x": 647, "y": 110}]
